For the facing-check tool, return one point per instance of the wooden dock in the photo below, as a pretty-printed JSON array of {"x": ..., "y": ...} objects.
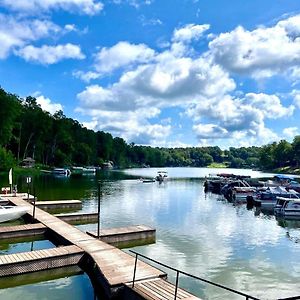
[
  {"x": 18, "y": 263},
  {"x": 111, "y": 267},
  {"x": 78, "y": 218},
  {"x": 8, "y": 232},
  {"x": 160, "y": 289},
  {"x": 122, "y": 236},
  {"x": 59, "y": 204}
]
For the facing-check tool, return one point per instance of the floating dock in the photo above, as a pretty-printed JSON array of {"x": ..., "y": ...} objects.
[
  {"x": 121, "y": 236},
  {"x": 160, "y": 289},
  {"x": 74, "y": 218},
  {"x": 108, "y": 266},
  {"x": 19, "y": 263},
  {"x": 9, "y": 232},
  {"x": 59, "y": 204}
]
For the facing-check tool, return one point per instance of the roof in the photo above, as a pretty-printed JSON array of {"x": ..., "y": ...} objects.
[{"x": 28, "y": 159}]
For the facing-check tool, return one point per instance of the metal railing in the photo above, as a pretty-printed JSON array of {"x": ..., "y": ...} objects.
[{"x": 178, "y": 272}]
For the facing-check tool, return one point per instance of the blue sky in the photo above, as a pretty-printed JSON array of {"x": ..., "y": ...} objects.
[{"x": 161, "y": 73}]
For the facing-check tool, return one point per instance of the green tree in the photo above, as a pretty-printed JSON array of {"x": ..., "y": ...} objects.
[{"x": 9, "y": 112}]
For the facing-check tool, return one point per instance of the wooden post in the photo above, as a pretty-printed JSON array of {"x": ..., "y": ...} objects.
[{"x": 98, "y": 231}]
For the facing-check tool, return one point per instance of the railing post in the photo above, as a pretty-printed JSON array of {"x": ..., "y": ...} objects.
[
  {"x": 176, "y": 285},
  {"x": 134, "y": 271}
]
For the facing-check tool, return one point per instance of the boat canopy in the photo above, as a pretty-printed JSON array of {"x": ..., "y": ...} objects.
[{"x": 283, "y": 177}]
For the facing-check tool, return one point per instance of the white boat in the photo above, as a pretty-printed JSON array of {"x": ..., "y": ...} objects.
[
  {"x": 89, "y": 170},
  {"x": 240, "y": 193},
  {"x": 161, "y": 176},
  {"x": 9, "y": 213},
  {"x": 270, "y": 195},
  {"x": 61, "y": 172},
  {"x": 287, "y": 207},
  {"x": 147, "y": 180}
]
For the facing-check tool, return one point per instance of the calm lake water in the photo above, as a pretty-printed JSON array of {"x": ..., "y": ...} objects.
[{"x": 199, "y": 233}]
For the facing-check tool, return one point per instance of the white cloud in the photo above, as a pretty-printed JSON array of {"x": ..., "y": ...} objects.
[
  {"x": 269, "y": 105},
  {"x": 189, "y": 32},
  {"x": 290, "y": 132},
  {"x": 89, "y": 7},
  {"x": 296, "y": 95},
  {"x": 241, "y": 119},
  {"x": 176, "y": 77},
  {"x": 134, "y": 3},
  {"x": 86, "y": 76},
  {"x": 47, "y": 55},
  {"x": 120, "y": 55},
  {"x": 46, "y": 104},
  {"x": 16, "y": 33},
  {"x": 130, "y": 125},
  {"x": 262, "y": 52},
  {"x": 210, "y": 131},
  {"x": 150, "y": 22}
]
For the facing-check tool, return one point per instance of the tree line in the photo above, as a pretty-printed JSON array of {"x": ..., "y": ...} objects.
[{"x": 26, "y": 130}]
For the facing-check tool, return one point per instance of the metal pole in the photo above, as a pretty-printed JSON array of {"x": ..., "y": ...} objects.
[
  {"x": 176, "y": 286},
  {"x": 134, "y": 271},
  {"x": 98, "y": 231},
  {"x": 27, "y": 189},
  {"x": 33, "y": 214}
]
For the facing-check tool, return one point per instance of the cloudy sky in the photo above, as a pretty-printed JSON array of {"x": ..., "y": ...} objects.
[{"x": 159, "y": 72}]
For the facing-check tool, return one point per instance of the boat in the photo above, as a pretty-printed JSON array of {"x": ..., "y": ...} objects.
[
  {"x": 287, "y": 208},
  {"x": 61, "y": 172},
  {"x": 294, "y": 185},
  {"x": 279, "y": 180},
  {"x": 9, "y": 212},
  {"x": 161, "y": 176},
  {"x": 89, "y": 170},
  {"x": 270, "y": 195},
  {"x": 147, "y": 180},
  {"x": 79, "y": 171},
  {"x": 222, "y": 183},
  {"x": 240, "y": 193}
]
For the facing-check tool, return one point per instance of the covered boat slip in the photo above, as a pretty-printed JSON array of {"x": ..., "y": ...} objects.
[{"x": 112, "y": 267}]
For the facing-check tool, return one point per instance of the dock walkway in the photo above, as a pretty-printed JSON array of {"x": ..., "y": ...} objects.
[{"x": 114, "y": 266}]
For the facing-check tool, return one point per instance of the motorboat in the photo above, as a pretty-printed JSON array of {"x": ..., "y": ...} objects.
[
  {"x": 240, "y": 193},
  {"x": 61, "y": 172},
  {"x": 147, "y": 180},
  {"x": 9, "y": 212},
  {"x": 270, "y": 195},
  {"x": 287, "y": 207},
  {"x": 161, "y": 176},
  {"x": 279, "y": 180},
  {"x": 79, "y": 171},
  {"x": 223, "y": 183},
  {"x": 89, "y": 170}
]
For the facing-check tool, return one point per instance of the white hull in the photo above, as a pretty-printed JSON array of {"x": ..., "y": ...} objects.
[{"x": 9, "y": 213}]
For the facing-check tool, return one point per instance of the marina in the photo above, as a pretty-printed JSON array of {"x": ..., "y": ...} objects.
[
  {"x": 181, "y": 208},
  {"x": 107, "y": 259}
]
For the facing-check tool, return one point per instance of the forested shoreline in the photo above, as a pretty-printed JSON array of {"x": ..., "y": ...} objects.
[{"x": 55, "y": 140}]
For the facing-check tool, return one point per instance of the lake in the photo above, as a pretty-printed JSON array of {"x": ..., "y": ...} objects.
[{"x": 199, "y": 233}]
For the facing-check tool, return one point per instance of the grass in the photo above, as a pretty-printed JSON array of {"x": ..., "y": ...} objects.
[
  {"x": 287, "y": 170},
  {"x": 217, "y": 165}
]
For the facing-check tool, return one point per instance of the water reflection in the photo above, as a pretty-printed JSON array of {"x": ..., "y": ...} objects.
[{"x": 202, "y": 234}]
